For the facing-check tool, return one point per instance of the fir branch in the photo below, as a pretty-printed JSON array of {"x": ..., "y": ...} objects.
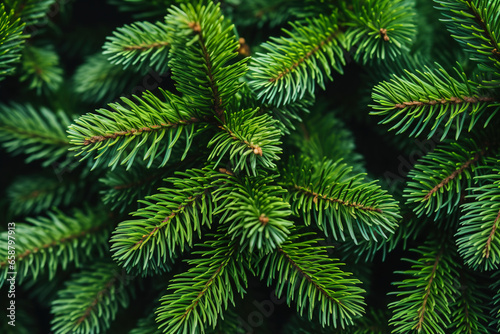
[
  {"x": 470, "y": 309},
  {"x": 30, "y": 11},
  {"x": 41, "y": 69},
  {"x": 40, "y": 134},
  {"x": 424, "y": 299},
  {"x": 379, "y": 28},
  {"x": 37, "y": 193},
  {"x": 140, "y": 45},
  {"x": 255, "y": 213},
  {"x": 430, "y": 100},
  {"x": 90, "y": 299},
  {"x": 440, "y": 178},
  {"x": 478, "y": 242},
  {"x": 134, "y": 127},
  {"x": 475, "y": 25},
  {"x": 339, "y": 201},
  {"x": 11, "y": 41},
  {"x": 201, "y": 294},
  {"x": 206, "y": 46},
  {"x": 169, "y": 223},
  {"x": 309, "y": 277},
  {"x": 250, "y": 141},
  {"x": 48, "y": 244},
  {"x": 295, "y": 64}
]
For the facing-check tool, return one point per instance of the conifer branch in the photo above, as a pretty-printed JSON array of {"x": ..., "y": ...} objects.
[
  {"x": 141, "y": 44},
  {"x": 478, "y": 242},
  {"x": 455, "y": 174},
  {"x": 427, "y": 101},
  {"x": 248, "y": 139},
  {"x": 306, "y": 275},
  {"x": 379, "y": 29},
  {"x": 255, "y": 212},
  {"x": 315, "y": 197},
  {"x": 201, "y": 294},
  {"x": 422, "y": 310},
  {"x": 491, "y": 236},
  {"x": 293, "y": 65},
  {"x": 217, "y": 101},
  {"x": 206, "y": 46},
  {"x": 340, "y": 202},
  {"x": 47, "y": 244},
  {"x": 133, "y": 127},
  {"x": 450, "y": 100},
  {"x": 424, "y": 298},
  {"x": 439, "y": 179},
  {"x": 97, "y": 290},
  {"x": 171, "y": 221},
  {"x": 39, "y": 133},
  {"x": 475, "y": 25},
  {"x": 11, "y": 40}
]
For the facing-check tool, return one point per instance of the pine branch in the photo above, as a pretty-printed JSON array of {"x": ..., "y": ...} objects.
[
  {"x": 423, "y": 304},
  {"x": 440, "y": 179},
  {"x": 470, "y": 309},
  {"x": 30, "y": 11},
  {"x": 90, "y": 299},
  {"x": 379, "y": 28},
  {"x": 200, "y": 295},
  {"x": 255, "y": 212},
  {"x": 201, "y": 57},
  {"x": 306, "y": 275},
  {"x": 476, "y": 25},
  {"x": 478, "y": 242},
  {"x": 38, "y": 193},
  {"x": 251, "y": 141},
  {"x": 293, "y": 65},
  {"x": 339, "y": 202},
  {"x": 427, "y": 101},
  {"x": 495, "y": 302},
  {"x": 41, "y": 69},
  {"x": 170, "y": 223},
  {"x": 48, "y": 244},
  {"x": 11, "y": 41},
  {"x": 134, "y": 128},
  {"x": 140, "y": 45},
  {"x": 40, "y": 134}
]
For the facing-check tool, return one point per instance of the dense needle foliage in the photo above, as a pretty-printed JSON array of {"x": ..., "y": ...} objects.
[{"x": 278, "y": 166}]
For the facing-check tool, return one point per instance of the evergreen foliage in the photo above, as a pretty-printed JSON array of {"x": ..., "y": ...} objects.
[{"x": 179, "y": 171}]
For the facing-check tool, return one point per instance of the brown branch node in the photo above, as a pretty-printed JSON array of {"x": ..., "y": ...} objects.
[{"x": 383, "y": 34}]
